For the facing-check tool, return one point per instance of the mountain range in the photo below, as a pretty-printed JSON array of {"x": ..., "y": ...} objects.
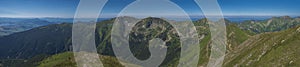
[
  {"x": 250, "y": 43},
  {"x": 270, "y": 25}
]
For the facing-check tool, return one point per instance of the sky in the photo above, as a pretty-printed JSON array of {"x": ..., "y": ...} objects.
[{"x": 67, "y": 8}]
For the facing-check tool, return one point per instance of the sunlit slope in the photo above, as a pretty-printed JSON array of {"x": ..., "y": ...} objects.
[
  {"x": 268, "y": 50},
  {"x": 67, "y": 59},
  {"x": 235, "y": 37}
]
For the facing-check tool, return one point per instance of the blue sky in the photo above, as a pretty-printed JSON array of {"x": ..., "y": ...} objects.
[{"x": 67, "y": 8}]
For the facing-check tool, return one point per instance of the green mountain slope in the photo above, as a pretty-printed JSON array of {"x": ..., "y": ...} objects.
[
  {"x": 66, "y": 59},
  {"x": 268, "y": 50},
  {"x": 235, "y": 37},
  {"x": 49, "y": 39}
]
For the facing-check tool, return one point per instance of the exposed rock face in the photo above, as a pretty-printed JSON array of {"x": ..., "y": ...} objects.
[{"x": 298, "y": 30}]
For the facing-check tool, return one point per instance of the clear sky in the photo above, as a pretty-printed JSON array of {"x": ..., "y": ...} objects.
[{"x": 67, "y": 8}]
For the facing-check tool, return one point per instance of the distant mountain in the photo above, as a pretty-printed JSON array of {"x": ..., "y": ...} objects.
[
  {"x": 13, "y": 25},
  {"x": 240, "y": 19},
  {"x": 4, "y": 19},
  {"x": 237, "y": 19},
  {"x": 270, "y": 25},
  {"x": 68, "y": 20}
]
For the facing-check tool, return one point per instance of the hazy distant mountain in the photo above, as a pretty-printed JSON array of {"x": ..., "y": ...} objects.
[
  {"x": 68, "y": 20},
  {"x": 239, "y": 19},
  {"x": 13, "y": 25}
]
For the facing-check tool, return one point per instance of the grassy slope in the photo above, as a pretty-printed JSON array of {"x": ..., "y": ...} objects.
[
  {"x": 235, "y": 35},
  {"x": 66, "y": 59},
  {"x": 268, "y": 50}
]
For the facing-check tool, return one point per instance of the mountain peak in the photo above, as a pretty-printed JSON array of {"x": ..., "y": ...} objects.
[{"x": 282, "y": 17}]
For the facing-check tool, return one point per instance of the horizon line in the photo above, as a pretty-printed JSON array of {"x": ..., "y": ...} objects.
[{"x": 191, "y": 16}]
